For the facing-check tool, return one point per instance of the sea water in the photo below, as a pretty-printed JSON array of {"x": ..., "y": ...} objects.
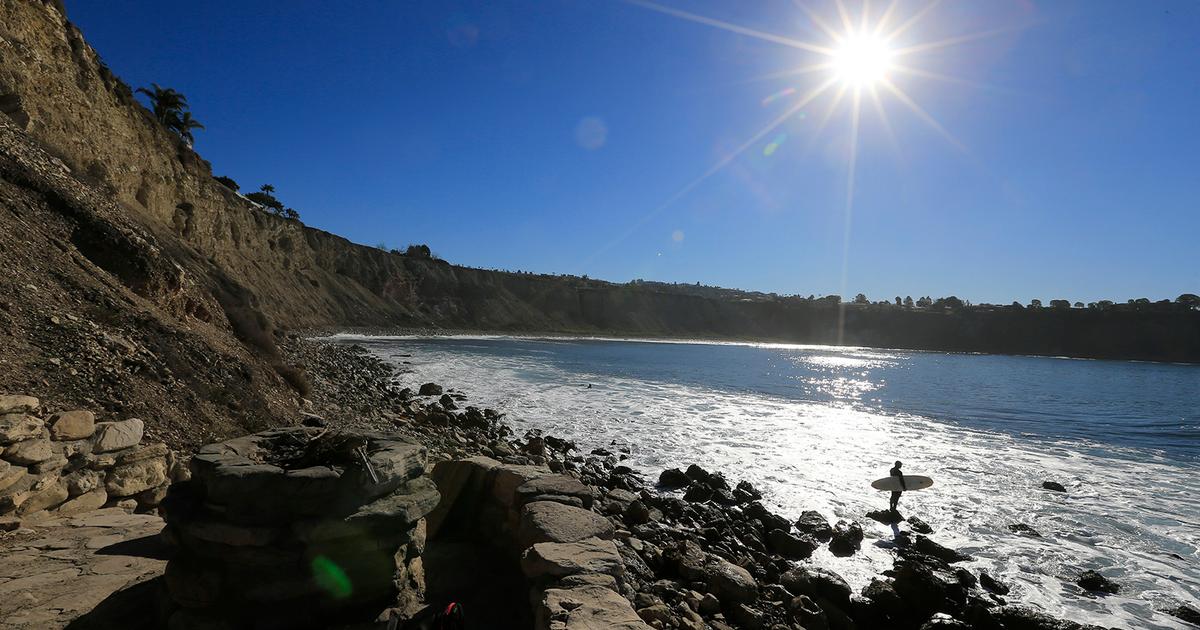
[{"x": 812, "y": 426}]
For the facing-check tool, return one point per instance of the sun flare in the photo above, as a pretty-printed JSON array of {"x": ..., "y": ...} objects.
[{"x": 862, "y": 60}]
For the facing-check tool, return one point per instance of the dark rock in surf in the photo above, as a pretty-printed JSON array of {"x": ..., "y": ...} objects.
[
  {"x": 747, "y": 488},
  {"x": 812, "y": 523},
  {"x": 887, "y": 517},
  {"x": 1022, "y": 618},
  {"x": 1053, "y": 485},
  {"x": 696, "y": 473},
  {"x": 430, "y": 389},
  {"x": 992, "y": 584},
  {"x": 698, "y": 494},
  {"x": 846, "y": 539},
  {"x": 637, "y": 513},
  {"x": 965, "y": 577},
  {"x": 928, "y": 547},
  {"x": 917, "y": 525},
  {"x": 1022, "y": 528},
  {"x": 673, "y": 478},
  {"x": 1093, "y": 581},
  {"x": 789, "y": 546},
  {"x": 448, "y": 402},
  {"x": 1186, "y": 613}
]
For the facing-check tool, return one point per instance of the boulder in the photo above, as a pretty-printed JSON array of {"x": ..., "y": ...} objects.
[
  {"x": 588, "y": 556},
  {"x": 919, "y": 526},
  {"x": 808, "y": 613},
  {"x": 942, "y": 621},
  {"x": 992, "y": 584},
  {"x": 586, "y": 608},
  {"x": 1186, "y": 613},
  {"x": 1053, "y": 485},
  {"x": 130, "y": 479},
  {"x": 1022, "y": 528},
  {"x": 546, "y": 521},
  {"x": 729, "y": 582},
  {"x": 887, "y": 517},
  {"x": 846, "y": 538},
  {"x": 11, "y": 475},
  {"x": 1095, "y": 582},
  {"x": 114, "y": 436},
  {"x": 696, "y": 473},
  {"x": 817, "y": 583},
  {"x": 29, "y": 452},
  {"x": 637, "y": 513},
  {"x": 72, "y": 425},
  {"x": 508, "y": 477},
  {"x": 554, "y": 485},
  {"x": 1022, "y": 618},
  {"x": 47, "y": 493},
  {"x": 430, "y": 389},
  {"x": 15, "y": 427},
  {"x": 813, "y": 524},
  {"x": 789, "y": 546},
  {"x": 461, "y": 484},
  {"x": 83, "y": 481},
  {"x": 928, "y": 547},
  {"x": 86, "y": 502},
  {"x": 673, "y": 478},
  {"x": 698, "y": 493},
  {"x": 15, "y": 403}
]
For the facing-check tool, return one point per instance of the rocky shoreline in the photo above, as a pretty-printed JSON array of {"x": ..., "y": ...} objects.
[
  {"x": 699, "y": 550},
  {"x": 595, "y": 541}
]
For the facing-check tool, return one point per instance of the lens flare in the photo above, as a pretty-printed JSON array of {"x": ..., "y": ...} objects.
[{"x": 862, "y": 60}]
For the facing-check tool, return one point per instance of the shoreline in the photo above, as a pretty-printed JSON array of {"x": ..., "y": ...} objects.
[{"x": 595, "y": 467}]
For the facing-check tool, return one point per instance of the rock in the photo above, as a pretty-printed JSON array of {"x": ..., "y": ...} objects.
[
  {"x": 1022, "y": 618},
  {"x": 729, "y": 582},
  {"x": 789, "y": 546},
  {"x": 1093, "y": 581},
  {"x": 1022, "y": 528},
  {"x": 462, "y": 484},
  {"x": 965, "y": 577},
  {"x": 86, "y": 502},
  {"x": 673, "y": 478},
  {"x": 430, "y": 389},
  {"x": 942, "y": 621},
  {"x": 72, "y": 425},
  {"x": 815, "y": 525},
  {"x": 150, "y": 499},
  {"x": 919, "y": 526},
  {"x": 83, "y": 481},
  {"x": 817, "y": 583},
  {"x": 696, "y": 473},
  {"x": 846, "y": 539},
  {"x": 554, "y": 485},
  {"x": 55, "y": 463},
  {"x": 130, "y": 479},
  {"x": 1053, "y": 485},
  {"x": 928, "y": 547},
  {"x": 698, "y": 493},
  {"x": 447, "y": 402},
  {"x": 748, "y": 489},
  {"x": 808, "y": 613},
  {"x": 545, "y": 521},
  {"x": 11, "y": 475},
  {"x": 992, "y": 584},
  {"x": 28, "y": 452},
  {"x": 46, "y": 494},
  {"x": 1186, "y": 613},
  {"x": 887, "y": 517},
  {"x": 18, "y": 404},
  {"x": 113, "y": 436},
  {"x": 588, "y": 556},
  {"x": 659, "y": 613},
  {"x": 637, "y": 513},
  {"x": 15, "y": 427},
  {"x": 586, "y": 608}
]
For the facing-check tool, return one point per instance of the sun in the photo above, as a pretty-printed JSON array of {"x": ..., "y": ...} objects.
[{"x": 862, "y": 60}]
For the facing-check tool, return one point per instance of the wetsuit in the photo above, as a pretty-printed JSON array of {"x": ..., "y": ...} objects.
[{"x": 895, "y": 472}]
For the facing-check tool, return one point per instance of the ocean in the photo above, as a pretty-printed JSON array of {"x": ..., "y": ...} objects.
[{"x": 812, "y": 426}]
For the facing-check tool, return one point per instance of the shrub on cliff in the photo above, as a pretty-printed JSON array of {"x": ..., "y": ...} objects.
[
  {"x": 418, "y": 251},
  {"x": 228, "y": 183}
]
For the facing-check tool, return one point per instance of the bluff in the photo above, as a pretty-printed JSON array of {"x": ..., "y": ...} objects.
[{"x": 114, "y": 228}]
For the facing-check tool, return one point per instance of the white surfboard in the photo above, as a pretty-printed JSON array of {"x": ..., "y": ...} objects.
[{"x": 911, "y": 482}]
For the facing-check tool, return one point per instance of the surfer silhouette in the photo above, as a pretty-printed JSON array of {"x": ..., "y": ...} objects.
[{"x": 895, "y": 472}]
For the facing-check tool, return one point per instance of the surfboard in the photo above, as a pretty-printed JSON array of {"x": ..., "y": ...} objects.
[{"x": 911, "y": 482}]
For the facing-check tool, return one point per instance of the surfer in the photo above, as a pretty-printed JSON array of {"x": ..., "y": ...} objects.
[{"x": 895, "y": 472}]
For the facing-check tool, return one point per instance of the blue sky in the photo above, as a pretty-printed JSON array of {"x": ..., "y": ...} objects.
[{"x": 548, "y": 135}]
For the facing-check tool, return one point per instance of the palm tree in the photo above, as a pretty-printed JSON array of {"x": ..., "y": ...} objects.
[
  {"x": 185, "y": 124},
  {"x": 166, "y": 103}
]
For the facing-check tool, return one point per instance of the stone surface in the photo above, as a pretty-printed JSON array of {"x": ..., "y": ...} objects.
[
  {"x": 812, "y": 523},
  {"x": 1095, "y": 582},
  {"x": 546, "y": 521},
  {"x": 46, "y": 494},
  {"x": 554, "y": 485},
  {"x": 83, "y": 480},
  {"x": 91, "y": 500},
  {"x": 588, "y": 556},
  {"x": 72, "y": 425},
  {"x": 16, "y": 403},
  {"x": 28, "y": 452},
  {"x": 15, "y": 427},
  {"x": 113, "y": 436},
  {"x": 729, "y": 582},
  {"x": 130, "y": 479},
  {"x": 586, "y": 608}
]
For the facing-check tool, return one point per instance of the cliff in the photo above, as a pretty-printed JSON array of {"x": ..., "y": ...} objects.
[{"x": 118, "y": 223}]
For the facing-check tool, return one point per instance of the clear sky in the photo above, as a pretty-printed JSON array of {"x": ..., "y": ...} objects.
[{"x": 1058, "y": 155}]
